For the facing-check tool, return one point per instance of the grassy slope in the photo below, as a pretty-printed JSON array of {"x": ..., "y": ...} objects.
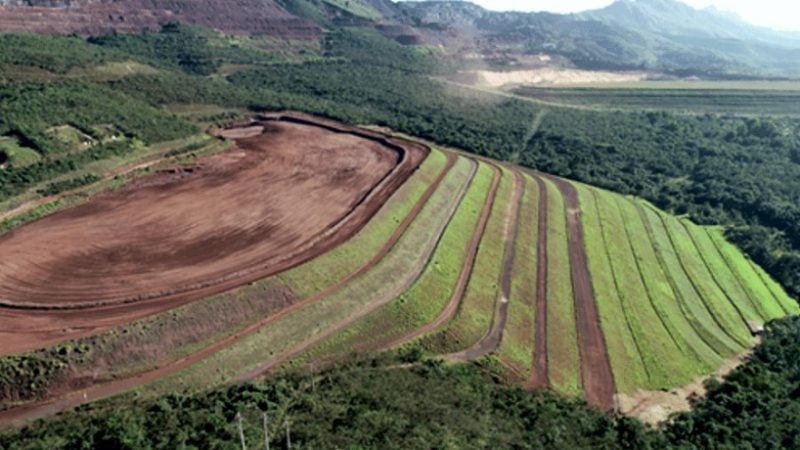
[
  {"x": 754, "y": 285},
  {"x": 692, "y": 304},
  {"x": 787, "y": 303},
  {"x": 722, "y": 273},
  {"x": 429, "y": 295},
  {"x": 475, "y": 313},
  {"x": 516, "y": 348},
  {"x": 316, "y": 275},
  {"x": 694, "y": 355},
  {"x": 712, "y": 295},
  {"x": 17, "y": 154},
  {"x": 650, "y": 335},
  {"x": 626, "y": 361},
  {"x": 562, "y": 341},
  {"x": 316, "y": 318}
]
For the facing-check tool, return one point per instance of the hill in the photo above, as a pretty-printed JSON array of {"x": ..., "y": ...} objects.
[
  {"x": 91, "y": 121},
  {"x": 660, "y": 35},
  {"x": 653, "y": 35},
  {"x": 570, "y": 287}
]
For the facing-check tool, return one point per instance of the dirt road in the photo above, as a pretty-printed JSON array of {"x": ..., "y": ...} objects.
[
  {"x": 494, "y": 335},
  {"x": 539, "y": 377},
  {"x": 596, "y": 374},
  {"x": 466, "y": 271}
]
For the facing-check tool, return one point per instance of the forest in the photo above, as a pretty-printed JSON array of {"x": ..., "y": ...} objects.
[{"x": 401, "y": 401}]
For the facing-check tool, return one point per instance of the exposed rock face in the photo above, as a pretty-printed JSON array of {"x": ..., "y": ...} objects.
[{"x": 88, "y": 17}]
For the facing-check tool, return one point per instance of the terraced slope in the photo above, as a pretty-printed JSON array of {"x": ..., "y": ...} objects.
[{"x": 570, "y": 287}]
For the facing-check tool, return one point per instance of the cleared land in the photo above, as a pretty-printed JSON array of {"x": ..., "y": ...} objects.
[
  {"x": 570, "y": 287},
  {"x": 181, "y": 235}
]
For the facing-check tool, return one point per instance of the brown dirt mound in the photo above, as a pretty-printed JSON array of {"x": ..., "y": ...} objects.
[{"x": 276, "y": 200}]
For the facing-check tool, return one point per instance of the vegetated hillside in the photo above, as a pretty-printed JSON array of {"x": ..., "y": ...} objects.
[
  {"x": 731, "y": 171},
  {"x": 398, "y": 401},
  {"x": 659, "y": 35},
  {"x": 663, "y": 35},
  {"x": 570, "y": 287},
  {"x": 675, "y": 18}
]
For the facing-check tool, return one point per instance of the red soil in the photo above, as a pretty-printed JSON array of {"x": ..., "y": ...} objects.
[
  {"x": 494, "y": 335},
  {"x": 87, "y": 17},
  {"x": 27, "y": 413},
  {"x": 278, "y": 200},
  {"x": 539, "y": 377},
  {"x": 466, "y": 271},
  {"x": 596, "y": 374},
  {"x": 393, "y": 289}
]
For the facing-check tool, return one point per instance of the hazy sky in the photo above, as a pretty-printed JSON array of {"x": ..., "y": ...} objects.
[{"x": 781, "y": 14}]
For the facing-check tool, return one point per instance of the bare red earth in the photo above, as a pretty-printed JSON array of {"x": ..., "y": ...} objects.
[
  {"x": 539, "y": 377},
  {"x": 27, "y": 413},
  {"x": 276, "y": 201},
  {"x": 466, "y": 271},
  {"x": 596, "y": 374},
  {"x": 92, "y": 17},
  {"x": 494, "y": 335}
]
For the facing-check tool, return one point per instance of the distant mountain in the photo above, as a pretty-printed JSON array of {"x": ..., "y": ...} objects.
[
  {"x": 675, "y": 18},
  {"x": 285, "y": 18},
  {"x": 658, "y": 35},
  {"x": 662, "y": 35}
]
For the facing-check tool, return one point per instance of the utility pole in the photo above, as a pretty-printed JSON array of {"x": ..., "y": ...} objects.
[
  {"x": 241, "y": 430},
  {"x": 288, "y": 435},
  {"x": 266, "y": 431}
]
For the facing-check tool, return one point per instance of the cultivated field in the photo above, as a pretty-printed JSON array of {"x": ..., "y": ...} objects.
[{"x": 310, "y": 241}]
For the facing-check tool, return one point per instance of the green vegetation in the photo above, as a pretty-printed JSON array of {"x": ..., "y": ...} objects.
[
  {"x": 692, "y": 261},
  {"x": 476, "y": 310},
  {"x": 14, "y": 154},
  {"x": 432, "y": 290},
  {"x": 516, "y": 347},
  {"x": 66, "y": 185},
  {"x": 562, "y": 340},
  {"x": 192, "y": 49},
  {"x": 723, "y": 275},
  {"x": 315, "y": 275},
  {"x": 694, "y": 308},
  {"x": 671, "y": 299},
  {"x": 756, "y": 406},
  {"x": 720, "y": 170},
  {"x": 389, "y": 277},
  {"x": 693, "y": 355},
  {"x": 138, "y": 346},
  {"x": 368, "y": 404},
  {"x": 648, "y": 333},
  {"x": 708, "y": 98},
  {"x": 624, "y": 355},
  {"x": 382, "y": 402},
  {"x": 759, "y": 293},
  {"x": 356, "y": 8},
  {"x": 55, "y": 54}
]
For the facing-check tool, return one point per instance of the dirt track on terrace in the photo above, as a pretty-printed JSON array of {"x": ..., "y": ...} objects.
[
  {"x": 177, "y": 236},
  {"x": 27, "y": 413},
  {"x": 596, "y": 374},
  {"x": 539, "y": 377},
  {"x": 494, "y": 335},
  {"x": 393, "y": 289},
  {"x": 466, "y": 271}
]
